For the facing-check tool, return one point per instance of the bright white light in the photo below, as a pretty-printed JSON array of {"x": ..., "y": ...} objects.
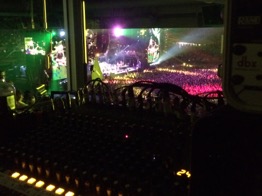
[
  {"x": 62, "y": 33},
  {"x": 118, "y": 31}
]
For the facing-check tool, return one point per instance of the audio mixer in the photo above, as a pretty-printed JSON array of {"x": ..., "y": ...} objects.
[{"x": 95, "y": 150}]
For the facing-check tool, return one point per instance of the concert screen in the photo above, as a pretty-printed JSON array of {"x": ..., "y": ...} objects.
[
  {"x": 37, "y": 43},
  {"x": 187, "y": 57}
]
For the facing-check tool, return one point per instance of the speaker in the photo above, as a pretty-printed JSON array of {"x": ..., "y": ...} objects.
[{"x": 242, "y": 66}]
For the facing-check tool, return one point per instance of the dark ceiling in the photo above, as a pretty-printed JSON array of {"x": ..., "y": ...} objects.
[
  {"x": 19, "y": 14},
  {"x": 156, "y": 13}
]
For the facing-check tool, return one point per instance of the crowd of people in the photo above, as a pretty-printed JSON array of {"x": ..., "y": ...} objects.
[
  {"x": 194, "y": 68},
  {"x": 193, "y": 80}
]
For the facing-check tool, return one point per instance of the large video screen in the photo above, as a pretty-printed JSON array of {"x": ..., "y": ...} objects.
[
  {"x": 187, "y": 57},
  {"x": 37, "y": 42}
]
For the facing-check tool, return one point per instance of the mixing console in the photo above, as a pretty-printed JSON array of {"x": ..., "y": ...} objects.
[{"x": 95, "y": 150}]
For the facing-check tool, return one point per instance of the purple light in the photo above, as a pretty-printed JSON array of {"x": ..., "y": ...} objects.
[{"x": 118, "y": 31}]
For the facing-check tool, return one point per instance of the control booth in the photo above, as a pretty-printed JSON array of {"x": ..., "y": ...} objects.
[{"x": 161, "y": 111}]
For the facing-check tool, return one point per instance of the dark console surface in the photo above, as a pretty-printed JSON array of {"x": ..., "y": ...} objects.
[{"x": 94, "y": 150}]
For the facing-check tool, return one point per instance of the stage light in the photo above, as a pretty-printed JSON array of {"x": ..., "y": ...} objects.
[
  {"x": 62, "y": 33},
  {"x": 118, "y": 31}
]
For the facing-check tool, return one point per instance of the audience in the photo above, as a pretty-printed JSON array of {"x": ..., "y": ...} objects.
[{"x": 194, "y": 80}]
